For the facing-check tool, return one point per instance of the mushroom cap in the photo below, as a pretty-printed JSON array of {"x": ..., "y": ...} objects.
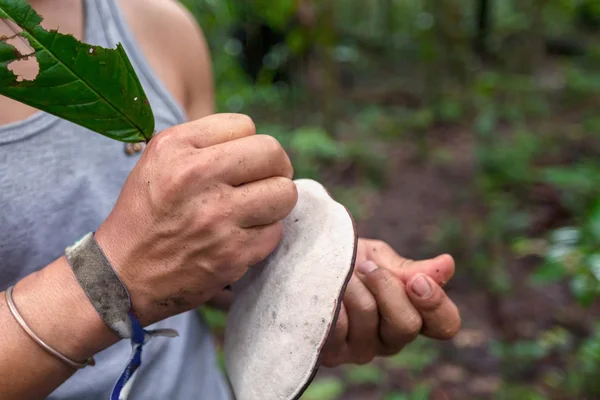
[{"x": 284, "y": 309}]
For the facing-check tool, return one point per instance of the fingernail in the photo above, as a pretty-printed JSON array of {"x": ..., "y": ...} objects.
[
  {"x": 421, "y": 287},
  {"x": 366, "y": 267}
]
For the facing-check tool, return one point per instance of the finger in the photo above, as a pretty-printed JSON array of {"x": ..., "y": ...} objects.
[
  {"x": 250, "y": 247},
  {"x": 257, "y": 243},
  {"x": 340, "y": 333},
  {"x": 399, "y": 321},
  {"x": 441, "y": 318},
  {"x": 264, "y": 202},
  {"x": 215, "y": 129},
  {"x": 363, "y": 320},
  {"x": 249, "y": 159},
  {"x": 335, "y": 350},
  {"x": 441, "y": 268}
]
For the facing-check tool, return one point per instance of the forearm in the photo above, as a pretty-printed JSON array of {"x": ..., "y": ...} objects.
[{"x": 55, "y": 307}]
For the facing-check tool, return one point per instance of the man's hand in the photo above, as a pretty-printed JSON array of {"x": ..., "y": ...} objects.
[
  {"x": 388, "y": 302},
  {"x": 203, "y": 204}
]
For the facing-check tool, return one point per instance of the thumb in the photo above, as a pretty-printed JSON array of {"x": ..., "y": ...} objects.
[
  {"x": 440, "y": 269},
  {"x": 441, "y": 318}
]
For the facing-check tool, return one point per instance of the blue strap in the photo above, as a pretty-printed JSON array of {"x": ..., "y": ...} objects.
[{"x": 139, "y": 337}]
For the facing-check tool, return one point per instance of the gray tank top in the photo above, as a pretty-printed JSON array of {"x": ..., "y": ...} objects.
[{"x": 59, "y": 181}]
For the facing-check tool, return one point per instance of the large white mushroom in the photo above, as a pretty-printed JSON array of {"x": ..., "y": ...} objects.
[{"x": 285, "y": 308}]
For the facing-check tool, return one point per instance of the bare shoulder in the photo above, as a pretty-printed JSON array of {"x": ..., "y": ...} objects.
[
  {"x": 169, "y": 18},
  {"x": 176, "y": 47}
]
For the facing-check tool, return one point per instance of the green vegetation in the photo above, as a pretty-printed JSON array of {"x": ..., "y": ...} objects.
[{"x": 491, "y": 114}]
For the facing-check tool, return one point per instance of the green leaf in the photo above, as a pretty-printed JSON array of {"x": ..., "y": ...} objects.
[{"x": 91, "y": 86}]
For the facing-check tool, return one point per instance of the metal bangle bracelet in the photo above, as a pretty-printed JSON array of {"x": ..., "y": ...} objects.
[{"x": 15, "y": 313}]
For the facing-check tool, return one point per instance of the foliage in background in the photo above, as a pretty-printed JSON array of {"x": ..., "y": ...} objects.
[{"x": 373, "y": 78}]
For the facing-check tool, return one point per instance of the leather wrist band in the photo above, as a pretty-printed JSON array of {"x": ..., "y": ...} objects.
[
  {"x": 101, "y": 284},
  {"x": 15, "y": 313},
  {"x": 111, "y": 300}
]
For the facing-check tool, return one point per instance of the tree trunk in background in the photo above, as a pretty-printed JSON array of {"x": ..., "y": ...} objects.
[{"x": 484, "y": 27}]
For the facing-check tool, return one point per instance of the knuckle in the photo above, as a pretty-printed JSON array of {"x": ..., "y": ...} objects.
[
  {"x": 226, "y": 210},
  {"x": 203, "y": 222},
  {"x": 202, "y": 166},
  {"x": 170, "y": 185},
  {"x": 217, "y": 216},
  {"x": 368, "y": 307},
  {"x": 383, "y": 285},
  {"x": 164, "y": 141},
  {"x": 288, "y": 193},
  {"x": 215, "y": 211},
  {"x": 412, "y": 325},
  {"x": 435, "y": 302},
  {"x": 182, "y": 176},
  {"x": 246, "y": 123},
  {"x": 282, "y": 165},
  {"x": 271, "y": 145},
  {"x": 383, "y": 280}
]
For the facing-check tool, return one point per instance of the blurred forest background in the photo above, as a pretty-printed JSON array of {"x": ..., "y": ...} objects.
[{"x": 462, "y": 126}]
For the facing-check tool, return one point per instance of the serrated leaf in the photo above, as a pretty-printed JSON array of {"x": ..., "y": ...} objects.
[{"x": 91, "y": 86}]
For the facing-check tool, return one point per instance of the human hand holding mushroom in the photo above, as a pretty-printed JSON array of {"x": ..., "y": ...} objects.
[{"x": 388, "y": 302}]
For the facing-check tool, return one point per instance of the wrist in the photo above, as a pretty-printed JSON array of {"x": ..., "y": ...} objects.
[
  {"x": 120, "y": 253},
  {"x": 59, "y": 312}
]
